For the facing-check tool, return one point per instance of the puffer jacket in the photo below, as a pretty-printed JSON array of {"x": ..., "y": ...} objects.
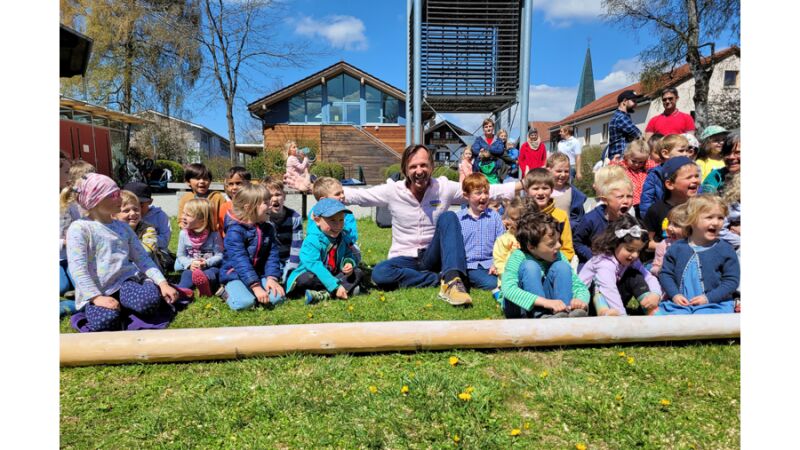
[{"x": 251, "y": 252}]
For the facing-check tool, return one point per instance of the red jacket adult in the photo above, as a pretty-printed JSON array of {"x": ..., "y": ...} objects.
[{"x": 531, "y": 159}]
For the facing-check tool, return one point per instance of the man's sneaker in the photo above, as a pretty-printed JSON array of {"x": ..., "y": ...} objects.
[
  {"x": 454, "y": 292},
  {"x": 316, "y": 296},
  {"x": 578, "y": 313}
]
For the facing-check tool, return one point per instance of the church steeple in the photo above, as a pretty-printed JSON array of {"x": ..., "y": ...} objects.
[{"x": 586, "y": 86}]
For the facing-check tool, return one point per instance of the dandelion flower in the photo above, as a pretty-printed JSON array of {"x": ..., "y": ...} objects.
[
  {"x": 404, "y": 389},
  {"x": 544, "y": 374},
  {"x": 208, "y": 305},
  {"x": 526, "y": 425},
  {"x": 383, "y": 298},
  {"x": 429, "y": 305},
  {"x": 516, "y": 432},
  {"x": 453, "y": 360},
  {"x": 665, "y": 402},
  {"x": 465, "y": 396},
  {"x": 456, "y": 439},
  {"x": 350, "y": 308},
  {"x": 631, "y": 360},
  {"x": 310, "y": 315},
  {"x": 373, "y": 389},
  {"x": 618, "y": 397},
  {"x": 580, "y": 446},
  {"x": 469, "y": 389},
  {"x": 621, "y": 354}
]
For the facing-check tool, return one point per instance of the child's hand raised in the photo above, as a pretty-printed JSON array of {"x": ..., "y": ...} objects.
[
  {"x": 341, "y": 293},
  {"x": 492, "y": 270},
  {"x": 347, "y": 269},
  {"x": 106, "y": 302},
  {"x": 168, "y": 292}
]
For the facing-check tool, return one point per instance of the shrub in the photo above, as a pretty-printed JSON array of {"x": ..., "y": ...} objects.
[
  {"x": 257, "y": 167},
  {"x": 391, "y": 170},
  {"x": 451, "y": 174},
  {"x": 176, "y": 168},
  {"x": 328, "y": 169},
  {"x": 218, "y": 166},
  {"x": 590, "y": 154},
  {"x": 274, "y": 163}
]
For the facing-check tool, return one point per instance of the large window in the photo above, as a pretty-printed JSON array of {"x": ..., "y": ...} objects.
[
  {"x": 381, "y": 108},
  {"x": 306, "y": 106}
]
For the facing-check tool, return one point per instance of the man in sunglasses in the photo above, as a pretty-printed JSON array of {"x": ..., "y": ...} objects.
[{"x": 671, "y": 121}]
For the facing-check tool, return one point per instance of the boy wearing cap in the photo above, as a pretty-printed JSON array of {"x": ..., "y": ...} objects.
[
  {"x": 621, "y": 128},
  {"x": 681, "y": 181},
  {"x": 153, "y": 215},
  {"x": 328, "y": 267}
]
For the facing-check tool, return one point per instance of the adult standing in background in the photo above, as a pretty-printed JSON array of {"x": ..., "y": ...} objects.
[
  {"x": 671, "y": 121},
  {"x": 621, "y": 128},
  {"x": 570, "y": 146},
  {"x": 532, "y": 153}
]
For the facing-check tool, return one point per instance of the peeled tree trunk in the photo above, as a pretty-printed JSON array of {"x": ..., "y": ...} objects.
[{"x": 204, "y": 344}]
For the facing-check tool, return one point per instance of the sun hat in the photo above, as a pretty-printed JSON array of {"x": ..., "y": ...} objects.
[{"x": 711, "y": 130}]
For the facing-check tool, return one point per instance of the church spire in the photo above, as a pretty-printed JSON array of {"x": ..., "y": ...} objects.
[{"x": 586, "y": 86}]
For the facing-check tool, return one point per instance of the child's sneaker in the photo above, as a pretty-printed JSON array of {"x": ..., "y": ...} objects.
[
  {"x": 222, "y": 293},
  {"x": 316, "y": 296},
  {"x": 200, "y": 281},
  {"x": 578, "y": 313},
  {"x": 498, "y": 295},
  {"x": 454, "y": 292}
]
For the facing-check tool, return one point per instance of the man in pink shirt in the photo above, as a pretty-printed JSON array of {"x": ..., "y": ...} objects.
[
  {"x": 671, "y": 121},
  {"x": 427, "y": 245}
]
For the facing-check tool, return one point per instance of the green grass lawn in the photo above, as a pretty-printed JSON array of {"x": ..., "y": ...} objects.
[{"x": 650, "y": 396}]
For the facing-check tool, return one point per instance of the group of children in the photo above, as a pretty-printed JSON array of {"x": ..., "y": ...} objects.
[
  {"x": 550, "y": 258},
  {"x": 246, "y": 247},
  {"x": 540, "y": 254}
]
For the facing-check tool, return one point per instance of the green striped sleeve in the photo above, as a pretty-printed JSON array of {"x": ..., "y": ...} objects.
[
  {"x": 510, "y": 286},
  {"x": 579, "y": 290}
]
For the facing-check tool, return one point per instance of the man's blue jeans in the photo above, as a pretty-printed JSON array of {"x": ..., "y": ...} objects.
[
  {"x": 556, "y": 284},
  {"x": 480, "y": 278},
  {"x": 444, "y": 253}
]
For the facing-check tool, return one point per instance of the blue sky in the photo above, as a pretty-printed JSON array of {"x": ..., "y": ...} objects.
[{"x": 371, "y": 36}]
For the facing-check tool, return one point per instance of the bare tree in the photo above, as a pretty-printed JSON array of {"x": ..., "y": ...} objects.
[
  {"x": 240, "y": 35},
  {"x": 682, "y": 27}
]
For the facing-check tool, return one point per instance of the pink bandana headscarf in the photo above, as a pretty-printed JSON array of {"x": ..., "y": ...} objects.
[{"x": 93, "y": 188}]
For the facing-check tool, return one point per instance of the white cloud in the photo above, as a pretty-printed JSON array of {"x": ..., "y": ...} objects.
[
  {"x": 551, "y": 102},
  {"x": 560, "y": 12},
  {"x": 345, "y": 32},
  {"x": 623, "y": 73}
]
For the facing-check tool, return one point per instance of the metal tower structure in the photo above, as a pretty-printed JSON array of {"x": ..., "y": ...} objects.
[{"x": 467, "y": 56}]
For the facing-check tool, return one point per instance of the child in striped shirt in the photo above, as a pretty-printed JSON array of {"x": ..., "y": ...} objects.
[{"x": 538, "y": 282}]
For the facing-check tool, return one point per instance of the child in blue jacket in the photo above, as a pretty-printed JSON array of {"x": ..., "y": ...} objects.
[
  {"x": 700, "y": 273},
  {"x": 328, "y": 266},
  {"x": 251, "y": 262}
]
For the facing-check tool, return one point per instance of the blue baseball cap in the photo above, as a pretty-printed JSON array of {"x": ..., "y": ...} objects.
[
  {"x": 328, "y": 207},
  {"x": 672, "y": 165}
]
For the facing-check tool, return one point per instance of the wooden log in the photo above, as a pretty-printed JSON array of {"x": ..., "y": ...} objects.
[{"x": 198, "y": 344}]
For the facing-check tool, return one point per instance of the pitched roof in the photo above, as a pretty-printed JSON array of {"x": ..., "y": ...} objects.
[
  {"x": 314, "y": 79},
  {"x": 608, "y": 102},
  {"x": 185, "y": 122},
  {"x": 452, "y": 127}
]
